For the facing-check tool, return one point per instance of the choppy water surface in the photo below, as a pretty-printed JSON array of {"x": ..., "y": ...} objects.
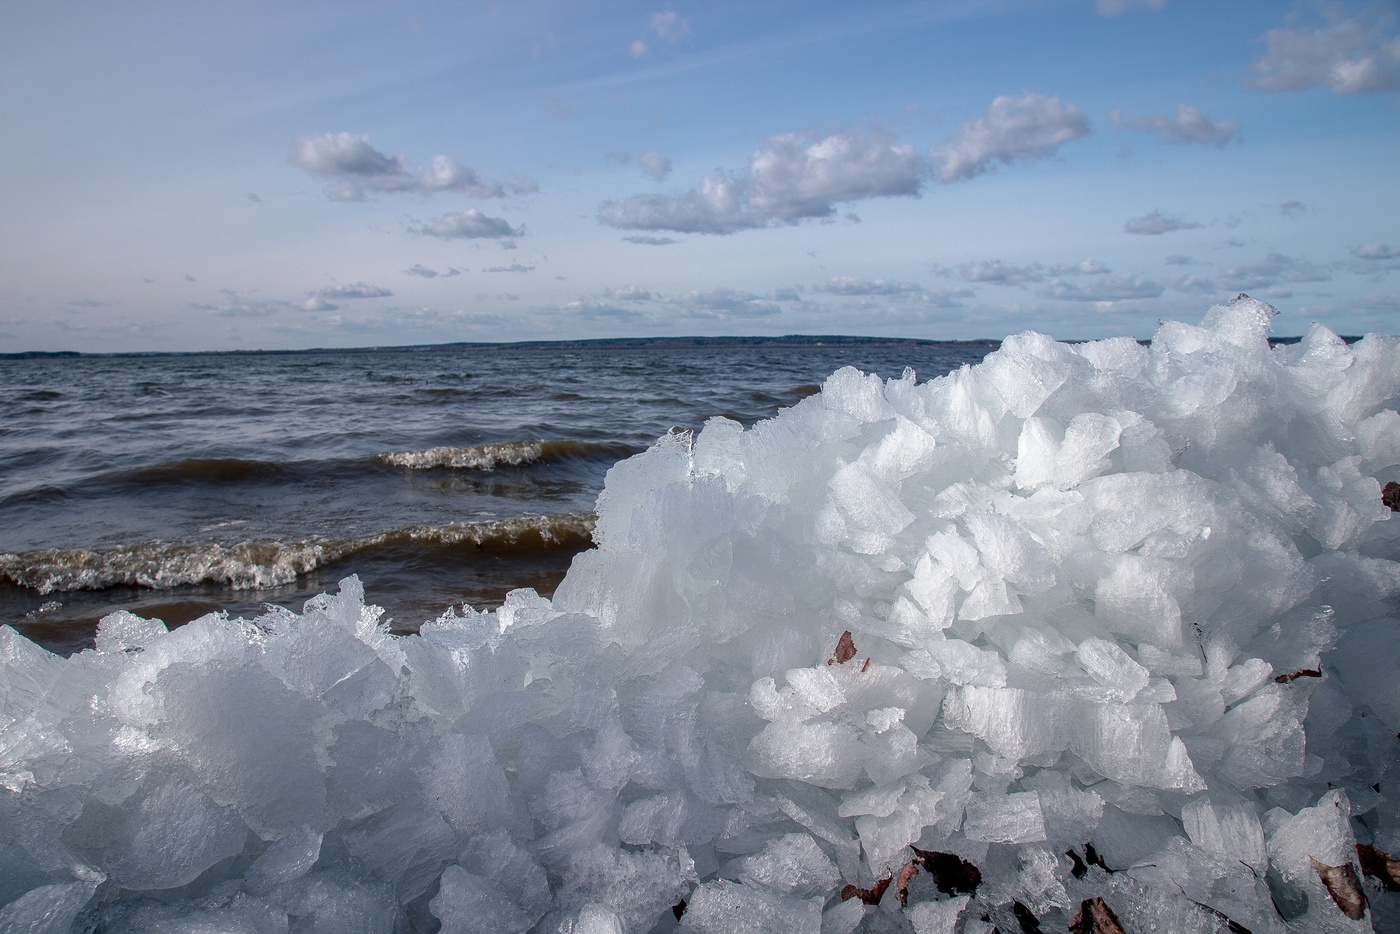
[{"x": 176, "y": 485}]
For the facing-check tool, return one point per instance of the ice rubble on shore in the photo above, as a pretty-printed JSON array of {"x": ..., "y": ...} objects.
[{"x": 1123, "y": 645}]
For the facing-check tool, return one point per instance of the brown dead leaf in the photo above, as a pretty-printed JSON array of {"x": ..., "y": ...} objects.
[
  {"x": 845, "y": 650},
  {"x": 1300, "y": 673},
  {"x": 951, "y": 873},
  {"x": 1390, "y": 496},
  {"x": 1380, "y": 865},
  {"x": 870, "y": 896},
  {"x": 866, "y": 667},
  {"x": 1344, "y": 887},
  {"x": 1095, "y": 917},
  {"x": 901, "y": 884}
]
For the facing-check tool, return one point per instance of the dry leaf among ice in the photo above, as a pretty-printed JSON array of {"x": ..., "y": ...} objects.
[
  {"x": 845, "y": 650},
  {"x": 1095, "y": 917},
  {"x": 1380, "y": 865},
  {"x": 1344, "y": 887}
]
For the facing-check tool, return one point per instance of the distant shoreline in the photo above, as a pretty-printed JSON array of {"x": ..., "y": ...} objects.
[{"x": 600, "y": 343}]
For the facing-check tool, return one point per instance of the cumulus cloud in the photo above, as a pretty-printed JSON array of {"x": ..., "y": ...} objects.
[
  {"x": 639, "y": 49},
  {"x": 1015, "y": 129},
  {"x": 1349, "y": 56},
  {"x": 315, "y": 303},
  {"x": 1157, "y": 223},
  {"x": 717, "y": 207},
  {"x": 352, "y": 290},
  {"x": 468, "y": 224},
  {"x": 418, "y": 269},
  {"x": 790, "y": 178},
  {"x": 650, "y": 241},
  {"x": 1272, "y": 269},
  {"x": 655, "y": 164},
  {"x": 1117, "y": 7},
  {"x": 354, "y": 168},
  {"x": 513, "y": 267},
  {"x": 1107, "y": 289},
  {"x": 1188, "y": 126},
  {"x": 846, "y": 285},
  {"x": 1376, "y": 251}
]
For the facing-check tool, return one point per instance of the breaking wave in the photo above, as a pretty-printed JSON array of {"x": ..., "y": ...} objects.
[
  {"x": 508, "y": 454},
  {"x": 258, "y": 564}
]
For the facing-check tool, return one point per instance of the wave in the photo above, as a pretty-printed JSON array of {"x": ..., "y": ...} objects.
[
  {"x": 260, "y": 564},
  {"x": 508, "y": 454},
  {"x": 199, "y": 470}
]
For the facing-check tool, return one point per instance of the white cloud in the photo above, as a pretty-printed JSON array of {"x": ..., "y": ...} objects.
[
  {"x": 655, "y": 164},
  {"x": 1015, "y": 129},
  {"x": 846, "y": 285},
  {"x": 418, "y": 269},
  {"x": 996, "y": 272},
  {"x": 1272, "y": 269},
  {"x": 669, "y": 25},
  {"x": 1376, "y": 251},
  {"x": 1157, "y": 223},
  {"x": 1117, "y": 7},
  {"x": 638, "y": 49},
  {"x": 789, "y": 179},
  {"x": 513, "y": 267},
  {"x": 239, "y": 307},
  {"x": 1197, "y": 285},
  {"x": 352, "y": 290},
  {"x": 469, "y": 224},
  {"x": 628, "y": 293},
  {"x": 1188, "y": 126},
  {"x": 354, "y": 168},
  {"x": 726, "y": 303},
  {"x": 1347, "y": 55},
  {"x": 315, "y": 303},
  {"x": 717, "y": 207},
  {"x": 1107, "y": 289},
  {"x": 650, "y": 241}
]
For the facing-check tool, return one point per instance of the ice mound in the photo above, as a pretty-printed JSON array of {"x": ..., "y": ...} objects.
[{"x": 1085, "y": 636}]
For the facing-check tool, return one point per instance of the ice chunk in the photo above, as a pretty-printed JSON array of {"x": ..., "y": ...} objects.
[
  {"x": 469, "y": 904},
  {"x": 1014, "y": 818},
  {"x": 173, "y": 836},
  {"x": 723, "y": 907}
]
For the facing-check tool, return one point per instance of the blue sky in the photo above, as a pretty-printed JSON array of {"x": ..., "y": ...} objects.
[{"x": 270, "y": 175}]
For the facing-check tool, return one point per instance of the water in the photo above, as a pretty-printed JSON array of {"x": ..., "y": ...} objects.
[{"x": 173, "y": 486}]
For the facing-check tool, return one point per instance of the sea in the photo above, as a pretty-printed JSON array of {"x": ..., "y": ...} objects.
[{"x": 176, "y": 485}]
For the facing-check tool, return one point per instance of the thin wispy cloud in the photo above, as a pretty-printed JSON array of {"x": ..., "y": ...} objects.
[
  {"x": 1106, "y": 289},
  {"x": 997, "y": 272},
  {"x": 1156, "y": 223},
  {"x": 425, "y": 272},
  {"x": 351, "y": 290},
  {"x": 1188, "y": 125},
  {"x": 1119, "y": 7},
  {"x": 1376, "y": 252},
  {"x": 846, "y": 285},
  {"x": 1016, "y": 129},
  {"x": 1271, "y": 270},
  {"x": 655, "y": 164}
]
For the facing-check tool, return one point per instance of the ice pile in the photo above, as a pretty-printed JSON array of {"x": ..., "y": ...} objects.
[{"x": 1085, "y": 636}]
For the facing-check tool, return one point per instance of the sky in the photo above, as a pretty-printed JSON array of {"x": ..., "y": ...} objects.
[{"x": 271, "y": 175}]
